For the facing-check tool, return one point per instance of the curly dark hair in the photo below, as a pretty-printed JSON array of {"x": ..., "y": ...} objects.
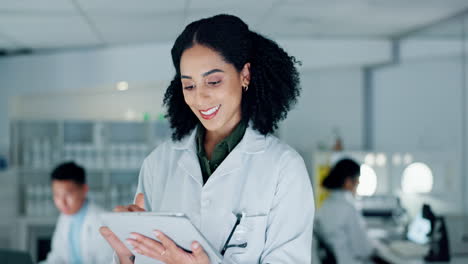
[{"x": 274, "y": 80}]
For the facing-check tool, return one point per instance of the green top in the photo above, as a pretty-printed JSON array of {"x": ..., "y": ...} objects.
[{"x": 221, "y": 150}]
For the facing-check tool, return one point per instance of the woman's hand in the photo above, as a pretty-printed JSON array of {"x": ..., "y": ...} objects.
[
  {"x": 166, "y": 250},
  {"x": 139, "y": 205},
  {"x": 124, "y": 254}
]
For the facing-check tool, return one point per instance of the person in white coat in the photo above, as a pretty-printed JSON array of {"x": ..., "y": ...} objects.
[
  {"x": 76, "y": 238},
  {"x": 339, "y": 221},
  {"x": 223, "y": 165}
]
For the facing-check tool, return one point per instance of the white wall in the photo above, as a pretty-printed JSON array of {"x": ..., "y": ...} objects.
[
  {"x": 418, "y": 108},
  {"x": 331, "y": 98},
  {"x": 417, "y": 105},
  {"x": 106, "y": 104}
]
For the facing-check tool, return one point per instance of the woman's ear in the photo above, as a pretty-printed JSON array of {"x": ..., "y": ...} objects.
[{"x": 245, "y": 74}]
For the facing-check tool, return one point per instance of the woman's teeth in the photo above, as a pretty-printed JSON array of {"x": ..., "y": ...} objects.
[{"x": 210, "y": 111}]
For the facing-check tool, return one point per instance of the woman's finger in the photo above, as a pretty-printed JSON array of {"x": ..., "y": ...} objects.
[
  {"x": 199, "y": 253},
  {"x": 142, "y": 249},
  {"x": 166, "y": 241},
  {"x": 135, "y": 208},
  {"x": 120, "y": 208},
  {"x": 140, "y": 200},
  {"x": 128, "y": 208},
  {"x": 152, "y": 244},
  {"x": 115, "y": 242}
]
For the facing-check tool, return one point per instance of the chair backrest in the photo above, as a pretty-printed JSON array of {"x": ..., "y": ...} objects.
[
  {"x": 8, "y": 256},
  {"x": 324, "y": 251}
]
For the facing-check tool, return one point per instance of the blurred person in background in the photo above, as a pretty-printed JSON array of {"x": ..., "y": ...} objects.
[
  {"x": 76, "y": 237},
  {"x": 339, "y": 221}
]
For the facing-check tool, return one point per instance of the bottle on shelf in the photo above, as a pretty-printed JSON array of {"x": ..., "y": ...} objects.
[{"x": 338, "y": 146}]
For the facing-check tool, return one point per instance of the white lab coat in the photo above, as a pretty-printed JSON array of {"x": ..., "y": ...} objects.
[
  {"x": 342, "y": 226},
  {"x": 262, "y": 177},
  {"x": 94, "y": 248}
]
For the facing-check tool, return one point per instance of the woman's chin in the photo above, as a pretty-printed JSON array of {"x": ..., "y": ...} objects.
[{"x": 209, "y": 125}]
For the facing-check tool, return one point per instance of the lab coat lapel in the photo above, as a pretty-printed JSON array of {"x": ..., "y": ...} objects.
[
  {"x": 252, "y": 142},
  {"x": 189, "y": 160},
  {"x": 231, "y": 163},
  {"x": 189, "y": 163}
]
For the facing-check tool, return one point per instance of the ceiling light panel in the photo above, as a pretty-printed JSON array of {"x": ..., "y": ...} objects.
[
  {"x": 143, "y": 29},
  {"x": 115, "y": 7},
  {"x": 52, "y": 31},
  {"x": 35, "y": 5}
]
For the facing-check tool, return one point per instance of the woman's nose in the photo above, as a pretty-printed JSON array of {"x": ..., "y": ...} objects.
[{"x": 201, "y": 94}]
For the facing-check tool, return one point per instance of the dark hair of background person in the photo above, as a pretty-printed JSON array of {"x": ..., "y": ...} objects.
[
  {"x": 343, "y": 169},
  {"x": 274, "y": 80},
  {"x": 69, "y": 171}
]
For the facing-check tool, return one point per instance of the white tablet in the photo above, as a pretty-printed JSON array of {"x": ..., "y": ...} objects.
[{"x": 176, "y": 226}]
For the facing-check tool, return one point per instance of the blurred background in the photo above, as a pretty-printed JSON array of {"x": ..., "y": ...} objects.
[{"x": 383, "y": 82}]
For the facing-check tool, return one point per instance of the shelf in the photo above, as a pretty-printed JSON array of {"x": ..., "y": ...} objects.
[
  {"x": 78, "y": 132},
  {"x": 26, "y": 170},
  {"x": 111, "y": 152},
  {"x": 126, "y": 132}
]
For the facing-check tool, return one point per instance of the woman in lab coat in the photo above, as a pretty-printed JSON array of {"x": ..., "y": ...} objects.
[
  {"x": 339, "y": 222},
  {"x": 231, "y": 88}
]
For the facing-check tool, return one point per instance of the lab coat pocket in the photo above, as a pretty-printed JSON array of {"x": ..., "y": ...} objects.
[{"x": 248, "y": 239}]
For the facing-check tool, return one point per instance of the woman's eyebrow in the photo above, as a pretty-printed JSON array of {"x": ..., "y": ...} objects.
[
  {"x": 203, "y": 75},
  {"x": 210, "y": 72}
]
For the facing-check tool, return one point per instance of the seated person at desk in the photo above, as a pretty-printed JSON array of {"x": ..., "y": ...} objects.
[
  {"x": 339, "y": 221},
  {"x": 76, "y": 237}
]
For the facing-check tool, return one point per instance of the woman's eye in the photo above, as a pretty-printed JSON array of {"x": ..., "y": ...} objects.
[
  {"x": 214, "y": 82},
  {"x": 188, "y": 85}
]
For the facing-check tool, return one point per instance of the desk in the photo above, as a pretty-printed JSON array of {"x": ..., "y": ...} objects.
[
  {"x": 387, "y": 254},
  {"x": 388, "y": 232}
]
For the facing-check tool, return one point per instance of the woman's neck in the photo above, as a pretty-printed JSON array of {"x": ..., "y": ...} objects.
[
  {"x": 216, "y": 136},
  {"x": 212, "y": 138}
]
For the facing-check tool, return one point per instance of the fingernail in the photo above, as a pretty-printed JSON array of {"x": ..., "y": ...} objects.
[
  {"x": 138, "y": 251},
  {"x": 104, "y": 230},
  {"x": 157, "y": 233},
  {"x": 196, "y": 245},
  {"x": 130, "y": 241},
  {"x": 133, "y": 236}
]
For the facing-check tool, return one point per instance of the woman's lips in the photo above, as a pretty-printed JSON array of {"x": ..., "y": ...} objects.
[{"x": 210, "y": 113}]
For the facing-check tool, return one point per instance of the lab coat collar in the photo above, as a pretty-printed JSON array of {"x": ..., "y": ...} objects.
[
  {"x": 252, "y": 142},
  {"x": 188, "y": 142}
]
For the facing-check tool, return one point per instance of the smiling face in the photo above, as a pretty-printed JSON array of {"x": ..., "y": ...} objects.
[{"x": 212, "y": 88}]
